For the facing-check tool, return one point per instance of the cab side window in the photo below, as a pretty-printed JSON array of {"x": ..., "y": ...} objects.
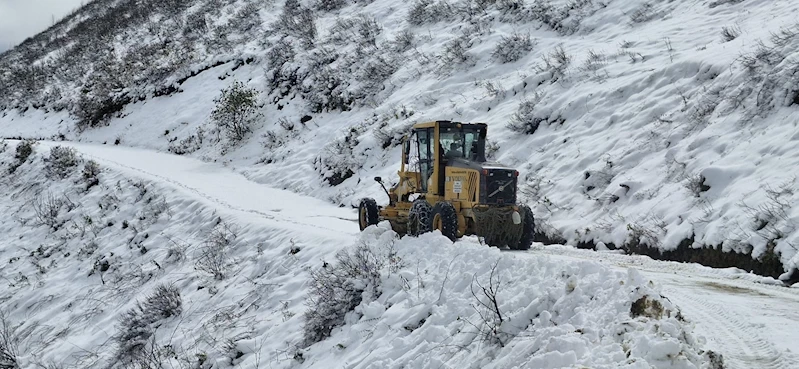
[{"x": 424, "y": 137}]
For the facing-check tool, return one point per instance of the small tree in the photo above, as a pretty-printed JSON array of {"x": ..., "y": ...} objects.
[
  {"x": 236, "y": 111},
  {"x": 90, "y": 173},
  {"x": 61, "y": 162}
]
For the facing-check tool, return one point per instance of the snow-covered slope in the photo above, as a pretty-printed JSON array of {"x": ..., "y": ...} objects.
[
  {"x": 662, "y": 123},
  {"x": 155, "y": 261}
]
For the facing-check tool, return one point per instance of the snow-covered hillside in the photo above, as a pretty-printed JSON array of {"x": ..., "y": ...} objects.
[
  {"x": 658, "y": 125},
  {"x": 126, "y": 258}
]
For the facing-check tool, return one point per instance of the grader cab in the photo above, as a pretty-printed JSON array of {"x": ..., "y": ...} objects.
[{"x": 445, "y": 183}]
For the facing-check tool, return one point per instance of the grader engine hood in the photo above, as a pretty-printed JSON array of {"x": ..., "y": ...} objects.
[
  {"x": 497, "y": 183},
  {"x": 498, "y": 186}
]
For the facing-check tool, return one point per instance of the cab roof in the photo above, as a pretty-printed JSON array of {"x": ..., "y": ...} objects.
[{"x": 448, "y": 124}]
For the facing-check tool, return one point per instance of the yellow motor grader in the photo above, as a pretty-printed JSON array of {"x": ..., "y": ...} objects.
[{"x": 445, "y": 183}]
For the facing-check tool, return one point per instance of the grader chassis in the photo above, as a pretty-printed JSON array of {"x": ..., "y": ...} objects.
[{"x": 445, "y": 183}]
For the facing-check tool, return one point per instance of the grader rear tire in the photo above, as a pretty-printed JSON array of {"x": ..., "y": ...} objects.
[
  {"x": 419, "y": 217},
  {"x": 528, "y": 229},
  {"x": 445, "y": 219}
]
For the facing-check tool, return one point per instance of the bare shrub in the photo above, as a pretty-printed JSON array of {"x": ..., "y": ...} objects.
[
  {"x": 647, "y": 233},
  {"x": 23, "y": 152},
  {"x": 274, "y": 139},
  {"x": 455, "y": 54},
  {"x": 390, "y": 137},
  {"x": 361, "y": 30},
  {"x": 527, "y": 119},
  {"x": 92, "y": 111},
  {"x": 494, "y": 89},
  {"x": 213, "y": 256},
  {"x": 429, "y": 11},
  {"x": 337, "y": 289},
  {"x": 297, "y": 21},
  {"x": 763, "y": 56},
  {"x": 704, "y": 107},
  {"x": 669, "y": 48},
  {"x": 599, "y": 178},
  {"x": 46, "y": 208},
  {"x": 136, "y": 326},
  {"x": 164, "y": 303},
  {"x": 247, "y": 20},
  {"x": 696, "y": 185},
  {"x": 61, "y": 162},
  {"x": 141, "y": 188},
  {"x": 328, "y": 86},
  {"x": 771, "y": 219},
  {"x": 337, "y": 163},
  {"x": 189, "y": 144},
  {"x": 280, "y": 53},
  {"x": 176, "y": 253},
  {"x": 556, "y": 64},
  {"x": 785, "y": 35},
  {"x": 8, "y": 344},
  {"x": 643, "y": 13},
  {"x": 236, "y": 111},
  {"x": 730, "y": 33},
  {"x": 487, "y": 307},
  {"x": 330, "y": 5},
  {"x": 512, "y": 48},
  {"x": 154, "y": 207},
  {"x": 372, "y": 77},
  {"x": 491, "y": 149},
  {"x": 595, "y": 61},
  {"x": 403, "y": 41}
]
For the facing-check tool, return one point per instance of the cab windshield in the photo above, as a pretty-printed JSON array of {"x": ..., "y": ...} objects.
[{"x": 464, "y": 142}]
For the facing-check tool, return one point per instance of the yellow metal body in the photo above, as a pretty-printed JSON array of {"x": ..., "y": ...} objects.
[{"x": 461, "y": 188}]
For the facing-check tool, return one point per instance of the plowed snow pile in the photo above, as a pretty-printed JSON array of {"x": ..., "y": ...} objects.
[{"x": 434, "y": 312}]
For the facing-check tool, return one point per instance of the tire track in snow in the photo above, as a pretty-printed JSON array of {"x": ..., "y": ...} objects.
[
  {"x": 739, "y": 342},
  {"x": 206, "y": 196},
  {"x": 703, "y": 295}
]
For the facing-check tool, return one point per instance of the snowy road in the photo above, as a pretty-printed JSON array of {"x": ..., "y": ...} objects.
[
  {"x": 750, "y": 321},
  {"x": 227, "y": 191}
]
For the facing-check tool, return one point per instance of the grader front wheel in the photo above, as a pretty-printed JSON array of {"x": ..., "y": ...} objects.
[
  {"x": 445, "y": 219},
  {"x": 419, "y": 217},
  {"x": 368, "y": 213}
]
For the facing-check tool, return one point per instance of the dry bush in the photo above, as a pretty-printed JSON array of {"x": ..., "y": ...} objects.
[
  {"x": 135, "y": 335},
  {"x": 512, "y": 48},
  {"x": 213, "y": 255},
  {"x": 337, "y": 289},
  {"x": 46, "y": 208},
  {"x": 9, "y": 344}
]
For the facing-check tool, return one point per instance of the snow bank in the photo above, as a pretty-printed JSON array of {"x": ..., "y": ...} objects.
[{"x": 433, "y": 313}]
